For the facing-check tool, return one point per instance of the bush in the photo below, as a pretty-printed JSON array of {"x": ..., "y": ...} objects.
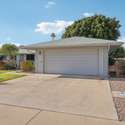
[
  {"x": 10, "y": 66},
  {"x": 2, "y": 65},
  {"x": 116, "y": 53},
  {"x": 111, "y": 61},
  {"x": 27, "y": 66}
]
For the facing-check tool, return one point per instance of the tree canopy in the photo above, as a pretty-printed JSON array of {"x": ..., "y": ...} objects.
[
  {"x": 9, "y": 49},
  {"x": 97, "y": 26},
  {"x": 116, "y": 53}
]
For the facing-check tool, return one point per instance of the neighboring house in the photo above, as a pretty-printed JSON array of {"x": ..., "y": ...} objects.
[
  {"x": 76, "y": 55},
  {"x": 24, "y": 55},
  {"x": 2, "y": 57}
]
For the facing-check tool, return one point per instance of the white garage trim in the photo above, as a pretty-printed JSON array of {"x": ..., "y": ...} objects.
[
  {"x": 39, "y": 61},
  {"x": 101, "y": 59}
]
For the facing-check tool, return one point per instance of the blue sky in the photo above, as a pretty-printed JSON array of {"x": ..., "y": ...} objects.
[{"x": 30, "y": 21}]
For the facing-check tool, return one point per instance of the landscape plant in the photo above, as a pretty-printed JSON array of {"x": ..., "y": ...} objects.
[{"x": 27, "y": 66}]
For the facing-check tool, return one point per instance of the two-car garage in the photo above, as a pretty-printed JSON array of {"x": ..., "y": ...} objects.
[
  {"x": 76, "y": 55},
  {"x": 83, "y": 61}
]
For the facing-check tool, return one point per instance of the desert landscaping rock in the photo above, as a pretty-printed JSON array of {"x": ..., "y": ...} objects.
[
  {"x": 118, "y": 94},
  {"x": 117, "y": 84},
  {"x": 118, "y": 89},
  {"x": 120, "y": 106}
]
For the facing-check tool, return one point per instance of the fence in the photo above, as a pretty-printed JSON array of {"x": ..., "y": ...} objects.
[{"x": 118, "y": 69}]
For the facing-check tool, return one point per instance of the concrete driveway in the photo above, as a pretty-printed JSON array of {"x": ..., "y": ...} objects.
[
  {"x": 70, "y": 95},
  {"x": 13, "y": 115}
]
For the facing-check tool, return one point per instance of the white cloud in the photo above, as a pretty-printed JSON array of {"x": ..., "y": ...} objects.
[
  {"x": 49, "y": 4},
  {"x": 86, "y": 14},
  {"x": 48, "y": 27}
]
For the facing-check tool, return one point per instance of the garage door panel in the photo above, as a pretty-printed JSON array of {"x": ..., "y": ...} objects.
[
  {"x": 72, "y": 61},
  {"x": 71, "y": 51}
]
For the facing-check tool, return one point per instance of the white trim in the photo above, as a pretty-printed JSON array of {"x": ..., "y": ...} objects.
[
  {"x": 36, "y": 61},
  {"x": 44, "y": 61},
  {"x": 109, "y": 46},
  {"x": 101, "y": 67},
  {"x": 39, "y": 61}
]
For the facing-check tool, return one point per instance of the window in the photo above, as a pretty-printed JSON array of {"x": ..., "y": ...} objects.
[
  {"x": 30, "y": 57},
  {"x": 1, "y": 57}
]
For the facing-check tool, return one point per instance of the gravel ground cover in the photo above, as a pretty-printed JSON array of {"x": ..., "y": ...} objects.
[{"x": 118, "y": 84}]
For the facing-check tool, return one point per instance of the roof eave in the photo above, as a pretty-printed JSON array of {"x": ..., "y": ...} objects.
[
  {"x": 112, "y": 44},
  {"x": 117, "y": 44}
]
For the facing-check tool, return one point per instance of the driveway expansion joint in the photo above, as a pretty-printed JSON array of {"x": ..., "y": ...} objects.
[
  {"x": 41, "y": 110},
  {"x": 33, "y": 117},
  {"x": 21, "y": 106},
  {"x": 82, "y": 115}
]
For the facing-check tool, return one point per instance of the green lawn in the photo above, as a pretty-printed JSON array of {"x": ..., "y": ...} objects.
[
  {"x": 8, "y": 75},
  {"x": 5, "y": 71}
]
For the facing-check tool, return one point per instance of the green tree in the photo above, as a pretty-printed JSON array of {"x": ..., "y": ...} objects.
[
  {"x": 97, "y": 26},
  {"x": 116, "y": 53},
  {"x": 9, "y": 50}
]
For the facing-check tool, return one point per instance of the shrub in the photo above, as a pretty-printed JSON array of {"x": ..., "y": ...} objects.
[
  {"x": 116, "y": 53},
  {"x": 10, "y": 66},
  {"x": 111, "y": 61},
  {"x": 2, "y": 65},
  {"x": 27, "y": 66}
]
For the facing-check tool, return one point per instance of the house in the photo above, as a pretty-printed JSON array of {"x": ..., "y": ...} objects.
[
  {"x": 24, "y": 55},
  {"x": 2, "y": 57},
  {"x": 76, "y": 55}
]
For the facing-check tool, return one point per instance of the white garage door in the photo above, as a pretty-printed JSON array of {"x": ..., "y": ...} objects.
[{"x": 83, "y": 61}]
